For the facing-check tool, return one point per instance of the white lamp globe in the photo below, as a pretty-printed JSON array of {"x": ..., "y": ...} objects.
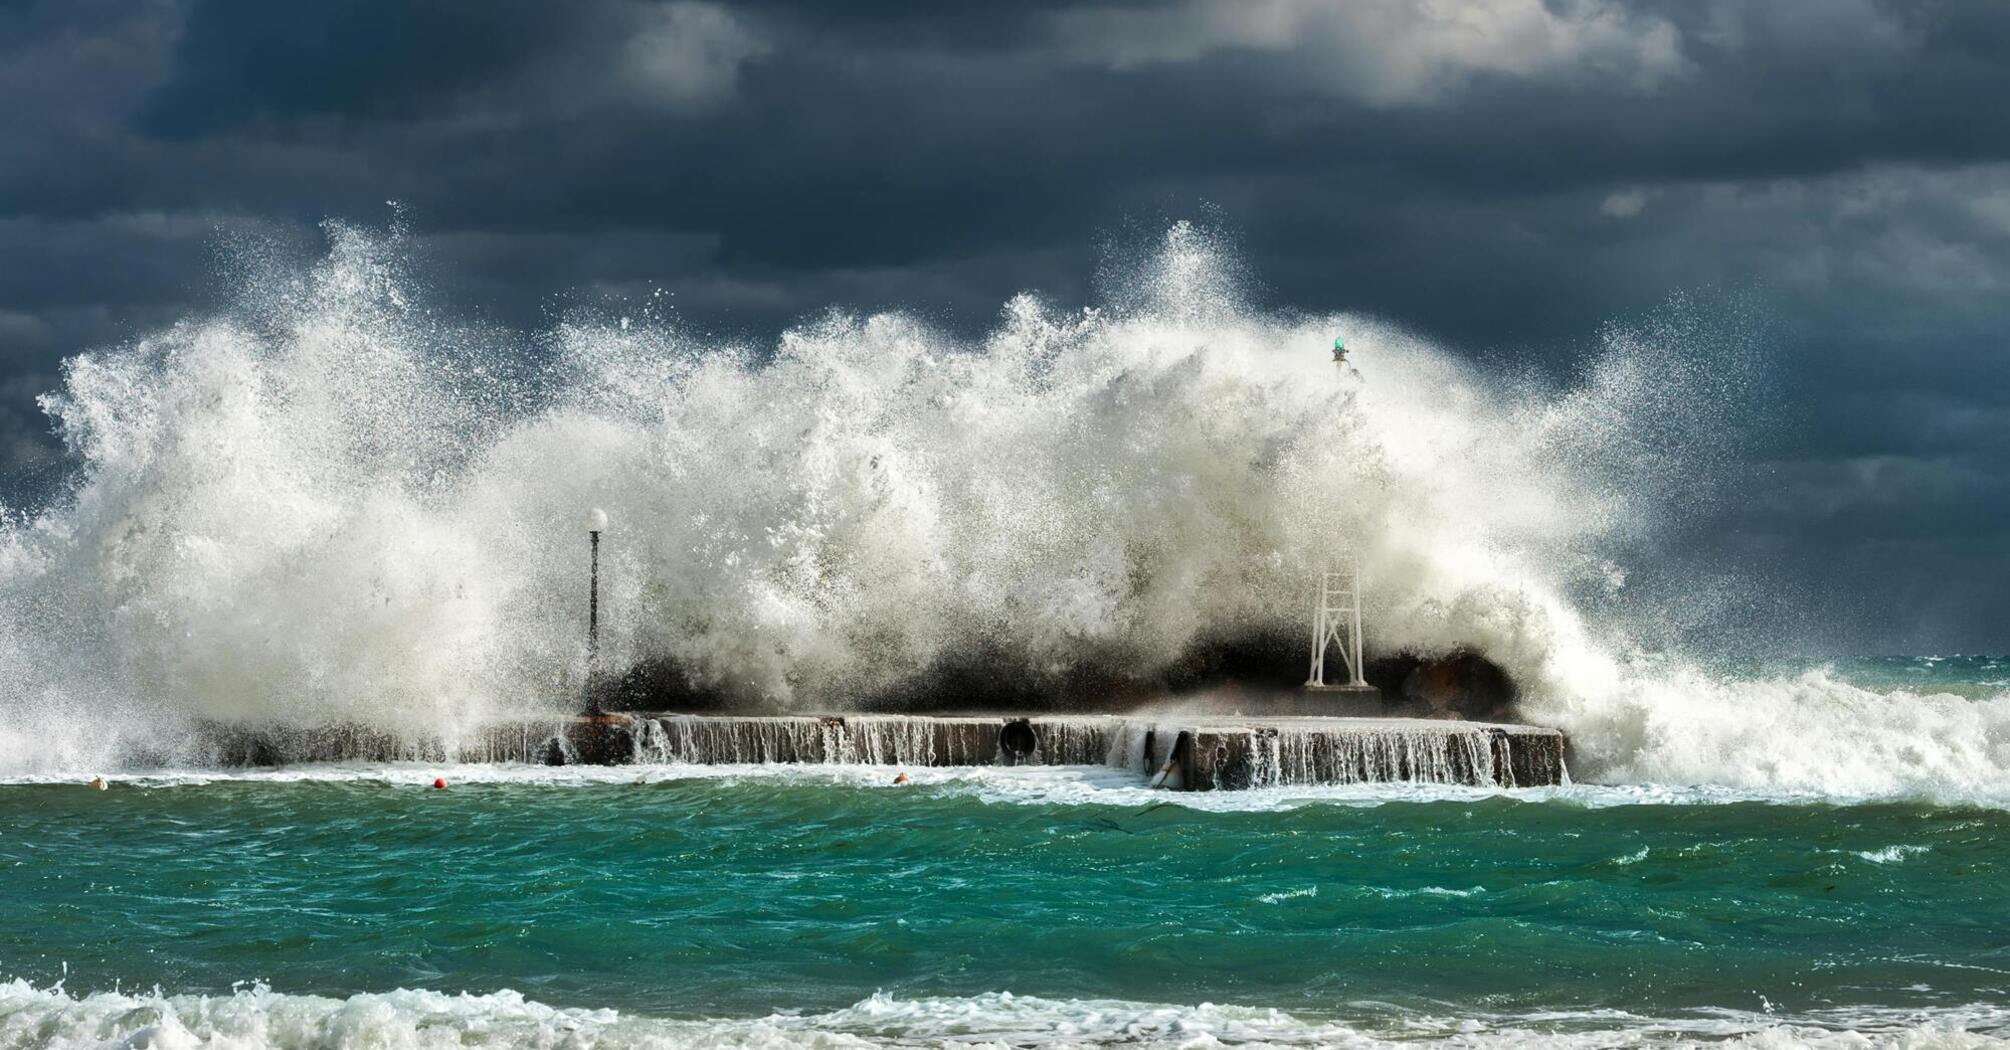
[{"x": 596, "y": 520}]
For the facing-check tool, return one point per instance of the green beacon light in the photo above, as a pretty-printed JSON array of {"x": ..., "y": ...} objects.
[{"x": 1339, "y": 350}]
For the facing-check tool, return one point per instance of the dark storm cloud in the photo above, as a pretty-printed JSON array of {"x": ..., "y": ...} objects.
[
  {"x": 1506, "y": 174},
  {"x": 243, "y": 61}
]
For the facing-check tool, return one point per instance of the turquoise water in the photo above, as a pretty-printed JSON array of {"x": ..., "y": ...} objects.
[
  {"x": 1974, "y": 676},
  {"x": 686, "y": 907}
]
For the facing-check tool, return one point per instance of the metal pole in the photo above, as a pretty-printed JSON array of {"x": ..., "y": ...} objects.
[
  {"x": 1354, "y": 642},
  {"x": 593, "y": 606},
  {"x": 596, "y": 521}
]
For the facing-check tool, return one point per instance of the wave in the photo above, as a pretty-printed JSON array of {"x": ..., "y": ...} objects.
[
  {"x": 256, "y": 1017},
  {"x": 327, "y": 504}
]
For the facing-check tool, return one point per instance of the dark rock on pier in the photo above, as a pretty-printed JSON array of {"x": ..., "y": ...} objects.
[
  {"x": 1462, "y": 684},
  {"x": 1259, "y": 672}
]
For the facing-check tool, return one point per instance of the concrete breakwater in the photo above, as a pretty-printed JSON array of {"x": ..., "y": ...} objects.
[{"x": 1174, "y": 751}]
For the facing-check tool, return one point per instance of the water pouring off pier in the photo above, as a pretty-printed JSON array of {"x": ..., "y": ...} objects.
[{"x": 1194, "y": 753}]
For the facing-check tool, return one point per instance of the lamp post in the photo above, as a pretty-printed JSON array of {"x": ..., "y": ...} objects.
[{"x": 596, "y": 523}]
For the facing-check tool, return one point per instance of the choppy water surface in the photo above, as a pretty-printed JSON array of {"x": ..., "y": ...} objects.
[
  {"x": 1970, "y": 675},
  {"x": 752, "y": 909}
]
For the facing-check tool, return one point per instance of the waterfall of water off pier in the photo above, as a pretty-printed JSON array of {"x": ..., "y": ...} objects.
[
  {"x": 1211, "y": 753},
  {"x": 880, "y": 740},
  {"x": 1215, "y": 752},
  {"x": 1422, "y": 753}
]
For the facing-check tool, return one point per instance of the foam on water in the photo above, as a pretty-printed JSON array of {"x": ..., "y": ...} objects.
[
  {"x": 1003, "y": 785},
  {"x": 328, "y": 505},
  {"x": 1892, "y": 854},
  {"x": 258, "y": 1018}
]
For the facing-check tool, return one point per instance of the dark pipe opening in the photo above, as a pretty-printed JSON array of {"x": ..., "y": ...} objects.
[{"x": 1017, "y": 740}]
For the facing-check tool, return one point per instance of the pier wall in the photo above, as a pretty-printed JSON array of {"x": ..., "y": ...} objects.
[{"x": 1199, "y": 754}]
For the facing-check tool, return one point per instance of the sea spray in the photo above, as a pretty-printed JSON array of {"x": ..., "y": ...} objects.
[{"x": 328, "y": 506}]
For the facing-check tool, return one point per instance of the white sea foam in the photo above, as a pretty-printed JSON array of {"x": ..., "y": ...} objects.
[
  {"x": 326, "y": 505},
  {"x": 258, "y": 1018},
  {"x": 1427, "y": 891},
  {"x": 1893, "y": 854},
  {"x": 1001, "y": 785}
]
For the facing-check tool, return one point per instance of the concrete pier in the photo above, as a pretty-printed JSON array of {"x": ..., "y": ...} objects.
[
  {"x": 237, "y": 744},
  {"x": 1185, "y": 752},
  {"x": 1234, "y": 754}
]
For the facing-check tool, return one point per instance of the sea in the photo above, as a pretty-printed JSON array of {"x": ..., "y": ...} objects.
[
  {"x": 333, "y": 503},
  {"x": 696, "y": 906}
]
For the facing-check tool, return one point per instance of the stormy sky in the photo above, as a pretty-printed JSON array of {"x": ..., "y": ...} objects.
[{"x": 1504, "y": 175}]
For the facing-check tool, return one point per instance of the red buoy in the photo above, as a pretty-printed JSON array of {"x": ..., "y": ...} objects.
[{"x": 439, "y": 782}]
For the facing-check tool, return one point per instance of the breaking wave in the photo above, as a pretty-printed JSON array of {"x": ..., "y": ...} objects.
[
  {"x": 328, "y": 504},
  {"x": 257, "y": 1018}
]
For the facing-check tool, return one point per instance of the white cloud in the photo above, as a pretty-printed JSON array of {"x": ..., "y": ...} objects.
[
  {"x": 1991, "y": 208},
  {"x": 1623, "y": 204},
  {"x": 1386, "y": 52},
  {"x": 689, "y": 53}
]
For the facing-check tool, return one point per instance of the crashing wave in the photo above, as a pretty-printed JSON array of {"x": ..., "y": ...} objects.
[
  {"x": 327, "y": 506},
  {"x": 257, "y": 1018}
]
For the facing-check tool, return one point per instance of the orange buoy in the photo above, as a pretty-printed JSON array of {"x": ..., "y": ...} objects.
[{"x": 901, "y": 779}]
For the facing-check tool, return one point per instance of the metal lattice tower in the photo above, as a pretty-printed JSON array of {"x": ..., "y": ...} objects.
[
  {"x": 1336, "y": 620},
  {"x": 1336, "y": 615}
]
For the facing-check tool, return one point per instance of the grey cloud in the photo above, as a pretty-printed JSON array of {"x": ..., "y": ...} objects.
[
  {"x": 689, "y": 52},
  {"x": 1387, "y": 52},
  {"x": 241, "y": 61}
]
